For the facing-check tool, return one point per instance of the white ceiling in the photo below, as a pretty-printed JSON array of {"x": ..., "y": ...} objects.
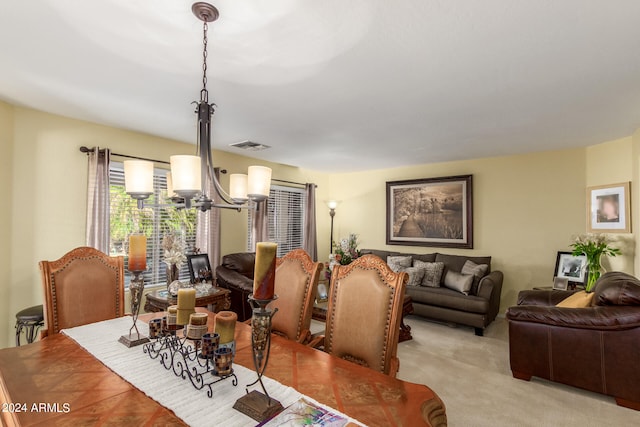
[{"x": 334, "y": 84}]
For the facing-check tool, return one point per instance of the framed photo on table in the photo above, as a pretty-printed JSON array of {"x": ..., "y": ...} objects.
[
  {"x": 609, "y": 208},
  {"x": 571, "y": 268},
  {"x": 199, "y": 268},
  {"x": 431, "y": 212}
]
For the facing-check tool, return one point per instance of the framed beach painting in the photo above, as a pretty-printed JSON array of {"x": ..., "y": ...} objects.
[
  {"x": 609, "y": 208},
  {"x": 431, "y": 212}
]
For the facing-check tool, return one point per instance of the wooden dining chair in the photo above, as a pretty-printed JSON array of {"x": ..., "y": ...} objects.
[
  {"x": 364, "y": 313},
  {"x": 84, "y": 286},
  {"x": 296, "y": 285}
]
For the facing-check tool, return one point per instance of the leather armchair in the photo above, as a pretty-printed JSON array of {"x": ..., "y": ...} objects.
[
  {"x": 82, "y": 287},
  {"x": 236, "y": 274},
  {"x": 364, "y": 313},
  {"x": 595, "y": 348}
]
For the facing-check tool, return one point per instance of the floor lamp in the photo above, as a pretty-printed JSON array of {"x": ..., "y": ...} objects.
[{"x": 332, "y": 212}]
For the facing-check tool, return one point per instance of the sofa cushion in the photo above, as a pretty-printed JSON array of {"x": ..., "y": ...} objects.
[
  {"x": 478, "y": 271},
  {"x": 415, "y": 275},
  {"x": 448, "y": 298},
  {"x": 243, "y": 263},
  {"x": 402, "y": 261},
  {"x": 456, "y": 262},
  {"x": 578, "y": 300},
  {"x": 432, "y": 272},
  {"x": 617, "y": 288},
  {"x": 384, "y": 254},
  {"x": 458, "y": 281}
]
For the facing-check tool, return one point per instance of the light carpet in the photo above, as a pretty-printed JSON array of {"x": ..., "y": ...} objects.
[{"x": 472, "y": 376}]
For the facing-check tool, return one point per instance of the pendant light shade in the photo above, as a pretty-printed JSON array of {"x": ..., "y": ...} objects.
[
  {"x": 259, "y": 182},
  {"x": 185, "y": 175},
  {"x": 138, "y": 177},
  {"x": 238, "y": 187}
]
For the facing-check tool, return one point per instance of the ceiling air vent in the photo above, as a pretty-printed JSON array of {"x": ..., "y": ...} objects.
[{"x": 249, "y": 146}]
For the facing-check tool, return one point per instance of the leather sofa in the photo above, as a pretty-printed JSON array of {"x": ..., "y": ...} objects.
[
  {"x": 595, "y": 348},
  {"x": 478, "y": 309},
  {"x": 236, "y": 274}
]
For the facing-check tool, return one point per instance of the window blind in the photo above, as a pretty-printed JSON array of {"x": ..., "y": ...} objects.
[
  {"x": 155, "y": 220},
  {"x": 285, "y": 218}
]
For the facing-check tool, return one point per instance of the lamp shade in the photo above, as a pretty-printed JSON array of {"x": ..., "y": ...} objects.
[
  {"x": 332, "y": 204},
  {"x": 259, "y": 182},
  {"x": 238, "y": 187},
  {"x": 138, "y": 177},
  {"x": 185, "y": 175}
]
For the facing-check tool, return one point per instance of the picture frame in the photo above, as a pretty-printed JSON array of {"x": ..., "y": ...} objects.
[
  {"x": 199, "y": 268},
  {"x": 435, "y": 212},
  {"x": 322, "y": 294},
  {"x": 609, "y": 208},
  {"x": 573, "y": 268},
  {"x": 560, "y": 284}
]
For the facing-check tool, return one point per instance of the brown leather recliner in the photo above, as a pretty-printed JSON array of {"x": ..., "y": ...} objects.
[
  {"x": 236, "y": 274},
  {"x": 595, "y": 348}
]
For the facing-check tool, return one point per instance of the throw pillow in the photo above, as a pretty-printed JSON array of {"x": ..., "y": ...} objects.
[
  {"x": 402, "y": 261},
  {"x": 478, "y": 271},
  {"x": 578, "y": 300},
  {"x": 415, "y": 275},
  {"x": 432, "y": 273},
  {"x": 458, "y": 281}
]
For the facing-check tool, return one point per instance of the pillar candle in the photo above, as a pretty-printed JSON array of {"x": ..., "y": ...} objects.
[
  {"x": 172, "y": 309},
  {"x": 186, "y": 298},
  {"x": 137, "y": 252},
  {"x": 184, "y": 314},
  {"x": 226, "y": 326},
  {"x": 198, "y": 319},
  {"x": 265, "y": 270}
]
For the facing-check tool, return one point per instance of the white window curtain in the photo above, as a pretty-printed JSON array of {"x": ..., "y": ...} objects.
[
  {"x": 208, "y": 228},
  {"x": 98, "y": 200},
  {"x": 310, "y": 242}
]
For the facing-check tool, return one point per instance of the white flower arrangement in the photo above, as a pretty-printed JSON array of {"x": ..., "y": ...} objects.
[{"x": 174, "y": 250}]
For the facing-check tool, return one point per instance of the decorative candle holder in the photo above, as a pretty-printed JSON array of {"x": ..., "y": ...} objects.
[
  {"x": 135, "y": 289},
  {"x": 257, "y": 405}
]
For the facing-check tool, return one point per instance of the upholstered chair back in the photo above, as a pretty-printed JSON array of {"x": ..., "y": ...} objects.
[
  {"x": 84, "y": 286},
  {"x": 296, "y": 285},
  {"x": 364, "y": 313}
]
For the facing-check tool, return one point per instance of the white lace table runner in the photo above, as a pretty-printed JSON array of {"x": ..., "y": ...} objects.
[{"x": 191, "y": 405}]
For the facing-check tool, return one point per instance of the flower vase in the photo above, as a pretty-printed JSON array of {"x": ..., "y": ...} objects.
[
  {"x": 595, "y": 270},
  {"x": 173, "y": 274}
]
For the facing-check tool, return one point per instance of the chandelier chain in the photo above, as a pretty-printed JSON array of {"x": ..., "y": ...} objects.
[{"x": 204, "y": 95}]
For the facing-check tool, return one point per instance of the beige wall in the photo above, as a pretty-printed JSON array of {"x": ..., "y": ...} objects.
[
  {"x": 526, "y": 208},
  {"x": 6, "y": 165},
  {"x": 611, "y": 163},
  {"x": 46, "y": 187}
]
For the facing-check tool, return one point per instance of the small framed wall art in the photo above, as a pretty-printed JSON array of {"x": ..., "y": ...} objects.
[{"x": 609, "y": 208}]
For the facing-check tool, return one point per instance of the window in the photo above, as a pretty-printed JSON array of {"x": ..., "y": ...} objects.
[
  {"x": 285, "y": 218},
  {"x": 154, "y": 221}
]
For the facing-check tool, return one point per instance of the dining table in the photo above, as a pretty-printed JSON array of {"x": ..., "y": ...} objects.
[{"x": 56, "y": 382}]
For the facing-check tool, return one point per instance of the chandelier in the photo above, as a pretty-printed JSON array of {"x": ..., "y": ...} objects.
[{"x": 187, "y": 183}]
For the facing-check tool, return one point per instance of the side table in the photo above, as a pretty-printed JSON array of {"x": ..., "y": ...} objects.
[
  {"x": 405, "y": 330},
  {"x": 215, "y": 300}
]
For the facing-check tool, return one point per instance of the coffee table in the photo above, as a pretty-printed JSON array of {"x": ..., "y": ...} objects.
[{"x": 215, "y": 300}]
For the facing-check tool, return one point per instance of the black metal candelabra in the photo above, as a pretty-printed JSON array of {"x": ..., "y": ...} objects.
[
  {"x": 257, "y": 405},
  {"x": 185, "y": 359}
]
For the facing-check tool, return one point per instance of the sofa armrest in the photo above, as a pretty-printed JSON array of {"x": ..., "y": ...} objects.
[
  {"x": 490, "y": 288},
  {"x": 543, "y": 298},
  {"x": 232, "y": 278},
  {"x": 598, "y": 318}
]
